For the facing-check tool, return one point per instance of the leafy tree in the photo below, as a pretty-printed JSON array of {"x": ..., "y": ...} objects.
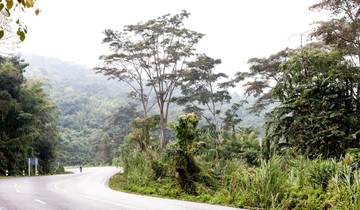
[
  {"x": 202, "y": 90},
  {"x": 342, "y": 31},
  {"x": 181, "y": 154},
  {"x": 44, "y": 122},
  {"x": 158, "y": 49},
  {"x": 232, "y": 118},
  {"x": 117, "y": 127},
  {"x": 262, "y": 75},
  {"x": 7, "y": 10},
  {"x": 318, "y": 106},
  {"x": 118, "y": 66},
  {"x": 140, "y": 131},
  {"x": 244, "y": 146},
  {"x": 28, "y": 123},
  {"x": 14, "y": 144}
]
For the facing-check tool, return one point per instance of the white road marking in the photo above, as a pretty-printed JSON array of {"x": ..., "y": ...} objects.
[
  {"x": 109, "y": 202},
  {"x": 40, "y": 201},
  {"x": 56, "y": 188},
  {"x": 16, "y": 188}
]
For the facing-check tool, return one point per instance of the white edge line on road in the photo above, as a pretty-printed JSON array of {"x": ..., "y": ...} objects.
[{"x": 40, "y": 201}]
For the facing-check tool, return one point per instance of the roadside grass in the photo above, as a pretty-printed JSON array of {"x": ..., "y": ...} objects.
[
  {"x": 10, "y": 177},
  {"x": 281, "y": 183},
  {"x": 167, "y": 188}
]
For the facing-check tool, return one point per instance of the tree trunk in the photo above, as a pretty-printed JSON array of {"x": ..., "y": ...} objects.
[
  {"x": 162, "y": 131},
  {"x": 233, "y": 132},
  {"x": 163, "y": 124}
]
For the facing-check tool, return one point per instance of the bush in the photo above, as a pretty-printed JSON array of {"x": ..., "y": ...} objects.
[
  {"x": 180, "y": 155},
  {"x": 60, "y": 170},
  {"x": 320, "y": 172},
  {"x": 353, "y": 156}
]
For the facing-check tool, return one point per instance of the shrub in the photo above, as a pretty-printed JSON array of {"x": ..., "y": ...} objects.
[
  {"x": 180, "y": 155},
  {"x": 320, "y": 172},
  {"x": 264, "y": 187}
]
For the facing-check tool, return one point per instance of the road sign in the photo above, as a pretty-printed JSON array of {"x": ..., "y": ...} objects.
[{"x": 33, "y": 162}]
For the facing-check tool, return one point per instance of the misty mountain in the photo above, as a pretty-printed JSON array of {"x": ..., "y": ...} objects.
[{"x": 86, "y": 99}]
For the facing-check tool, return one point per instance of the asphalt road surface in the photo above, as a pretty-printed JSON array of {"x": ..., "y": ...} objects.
[{"x": 82, "y": 191}]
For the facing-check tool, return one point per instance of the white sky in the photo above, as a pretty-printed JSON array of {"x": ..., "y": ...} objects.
[{"x": 236, "y": 30}]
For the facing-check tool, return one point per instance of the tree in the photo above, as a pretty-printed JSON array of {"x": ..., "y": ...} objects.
[
  {"x": 7, "y": 10},
  {"x": 140, "y": 131},
  {"x": 343, "y": 30},
  {"x": 202, "y": 90},
  {"x": 159, "y": 49},
  {"x": 232, "y": 118},
  {"x": 262, "y": 75},
  {"x": 318, "y": 112},
  {"x": 44, "y": 123},
  {"x": 14, "y": 144},
  {"x": 117, "y": 127},
  {"x": 118, "y": 66},
  {"x": 181, "y": 154},
  {"x": 28, "y": 123}
]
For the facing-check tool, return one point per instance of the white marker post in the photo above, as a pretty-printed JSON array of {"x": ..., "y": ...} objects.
[
  {"x": 29, "y": 167},
  {"x": 36, "y": 163},
  {"x": 6, "y": 172}
]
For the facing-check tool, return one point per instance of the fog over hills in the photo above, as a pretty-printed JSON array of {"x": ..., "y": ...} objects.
[{"x": 85, "y": 100}]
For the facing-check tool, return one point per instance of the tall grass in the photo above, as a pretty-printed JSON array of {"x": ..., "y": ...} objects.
[{"x": 283, "y": 182}]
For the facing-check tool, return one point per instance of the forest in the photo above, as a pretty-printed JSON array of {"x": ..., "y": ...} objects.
[{"x": 285, "y": 134}]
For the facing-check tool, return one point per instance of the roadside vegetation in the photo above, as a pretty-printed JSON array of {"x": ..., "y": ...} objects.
[
  {"x": 181, "y": 132},
  {"x": 308, "y": 157},
  {"x": 28, "y": 123}
]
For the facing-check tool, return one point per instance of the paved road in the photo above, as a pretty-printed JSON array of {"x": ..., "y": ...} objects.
[{"x": 85, "y": 191}]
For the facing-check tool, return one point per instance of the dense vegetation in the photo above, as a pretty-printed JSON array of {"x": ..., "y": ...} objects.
[
  {"x": 309, "y": 156},
  {"x": 94, "y": 112},
  {"x": 28, "y": 125},
  {"x": 171, "y": 123},
  {"x": 85, "y": 101}
]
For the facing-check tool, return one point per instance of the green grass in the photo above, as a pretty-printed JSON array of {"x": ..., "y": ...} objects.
[
  {"x": 167, "y": 188},
  {"x": 281, "y": 183}
]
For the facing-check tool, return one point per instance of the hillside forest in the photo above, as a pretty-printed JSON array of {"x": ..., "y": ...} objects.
[{"x": 282, "y": 135}]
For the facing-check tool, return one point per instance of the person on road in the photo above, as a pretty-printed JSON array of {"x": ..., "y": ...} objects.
[{"x": 80, "y": 169}]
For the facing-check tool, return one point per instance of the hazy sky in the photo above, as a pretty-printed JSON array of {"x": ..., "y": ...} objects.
[{"x": 236, "y": 30}]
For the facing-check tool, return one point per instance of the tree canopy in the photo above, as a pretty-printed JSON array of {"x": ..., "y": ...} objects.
[
  {"x": 157, "y": 50},
  {"x": 28, "y": 123}
]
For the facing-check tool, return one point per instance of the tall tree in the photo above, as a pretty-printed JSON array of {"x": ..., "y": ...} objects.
[
  {"x": 203, "y": 92},
  {"x": 160, "y": 50},
  {"x": 117, "y": 65},
  {"x": 317, "y": 112},
  {"x": 263, "y": 74},
  {"x": 28, "y": 123},
  {"x": 44, "y": 123},
  {"x": 342, "y": 31},
  {"x": 116, "y": 128}
]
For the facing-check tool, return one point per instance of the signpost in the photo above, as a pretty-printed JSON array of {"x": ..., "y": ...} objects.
[{"x": 33, "y": 162}]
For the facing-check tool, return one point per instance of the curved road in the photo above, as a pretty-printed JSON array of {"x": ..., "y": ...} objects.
[{"x": 82, "y": 191}]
